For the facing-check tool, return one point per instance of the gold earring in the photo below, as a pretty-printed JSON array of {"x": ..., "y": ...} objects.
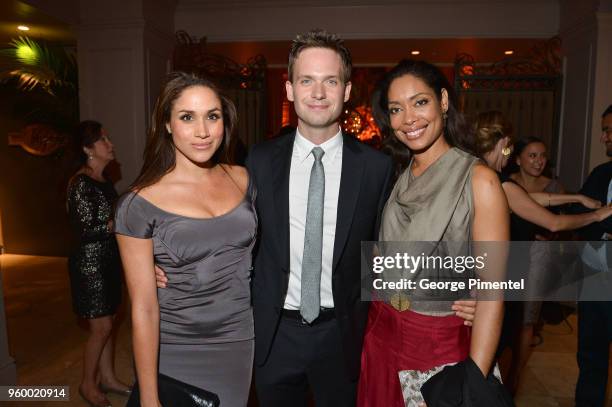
[{"x": 506, "y": 151}]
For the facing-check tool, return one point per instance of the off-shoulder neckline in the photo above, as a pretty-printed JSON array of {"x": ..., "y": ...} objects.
[{"x": 229, "y": 212}]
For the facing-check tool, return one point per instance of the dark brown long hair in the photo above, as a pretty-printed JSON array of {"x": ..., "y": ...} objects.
[
  {"x": 159, "y": 154},
  {"x": 85, "y": 134},
  {"x": 456, "y": 131}
]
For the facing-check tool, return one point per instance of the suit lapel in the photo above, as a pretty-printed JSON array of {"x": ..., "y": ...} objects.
[
  {"x": 350, "y": 184},
  {"x": 281, "y": 164}
]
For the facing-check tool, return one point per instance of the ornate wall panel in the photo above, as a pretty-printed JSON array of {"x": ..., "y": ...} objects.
[
  {"x": 526, "y": 90},
  {"x": 245, "y": 84}
]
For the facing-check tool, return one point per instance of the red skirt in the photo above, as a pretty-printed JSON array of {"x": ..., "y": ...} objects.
[{"x": 396, "y": 341}]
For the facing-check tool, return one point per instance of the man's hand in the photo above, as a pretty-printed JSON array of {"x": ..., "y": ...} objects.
[
  {"x": 162, "y": 280},
  {"x": 465, "y": 309}
]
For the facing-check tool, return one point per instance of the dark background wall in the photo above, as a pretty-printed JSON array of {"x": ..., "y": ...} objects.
[{"x": 32, "y": 199}]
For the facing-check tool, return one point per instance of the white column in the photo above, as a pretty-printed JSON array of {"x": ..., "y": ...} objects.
[
  {"x": 124, "y": 48},
  {"x": 602, "y": 85},
  {"x": 587, "y": 58}
]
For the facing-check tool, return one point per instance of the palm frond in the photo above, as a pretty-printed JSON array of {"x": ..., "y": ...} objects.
[{"x": 41, "y": 66}]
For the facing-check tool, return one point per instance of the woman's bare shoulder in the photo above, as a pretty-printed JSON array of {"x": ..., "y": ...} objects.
[
  {"x": 157, "y": 191},
  {"x": 239, "y": 174},
  {"x": 483, "y": 176}
]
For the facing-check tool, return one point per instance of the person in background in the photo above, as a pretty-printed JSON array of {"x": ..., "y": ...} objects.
[
  {"x": 94, "y": 266},
  {"x": 595, "y": 317},
  {"x": 494, "y": 143},
  {"x": 531, "y": 158}
]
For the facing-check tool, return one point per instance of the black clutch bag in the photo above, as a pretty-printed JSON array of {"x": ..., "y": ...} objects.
[{"x": 174, "y": 393}]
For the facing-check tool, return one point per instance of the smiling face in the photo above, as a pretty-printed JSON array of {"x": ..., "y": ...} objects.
[
  {"x": 415, "y": 113},
  {"x": 532, "y": 159},
  {"x": 196, "y": 124},
  {"x": 318, "y": 91}
]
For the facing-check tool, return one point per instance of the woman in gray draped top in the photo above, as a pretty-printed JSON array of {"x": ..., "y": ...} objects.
[
  {"x": 193, "y": 215},
  {"x": 442, "y": 194}
]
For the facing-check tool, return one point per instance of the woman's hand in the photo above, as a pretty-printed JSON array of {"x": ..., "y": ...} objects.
[
  {"x": 588, "y": 202},
  {"x": 603, "y": 213}
]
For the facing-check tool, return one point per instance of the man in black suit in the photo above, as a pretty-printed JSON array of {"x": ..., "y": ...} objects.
[
  {"x": 293, "y": 350},
  {"x": 595, "y": 317}
]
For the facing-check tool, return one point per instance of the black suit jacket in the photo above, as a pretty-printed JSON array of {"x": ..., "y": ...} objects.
[
  {"x": 363, "y": 191},
  {"x": 596, "y": 187}
]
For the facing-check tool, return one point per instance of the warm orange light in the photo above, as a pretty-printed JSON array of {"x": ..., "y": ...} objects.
[
  {"x": 415, "y": 52},
  {"x": 285, "y": 121},
  {"x": 23, "y": 28},
  {"x": 1, "y": 237},
  {"x": 509, "y": 52}
]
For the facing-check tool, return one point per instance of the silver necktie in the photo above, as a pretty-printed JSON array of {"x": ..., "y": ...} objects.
[{"x": 313, "y": 241}]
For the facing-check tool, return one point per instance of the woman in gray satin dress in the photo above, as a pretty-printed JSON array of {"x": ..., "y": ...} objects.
[{"x": 191, "y": 213}]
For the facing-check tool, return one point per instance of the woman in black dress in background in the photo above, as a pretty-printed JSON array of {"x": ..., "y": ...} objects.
[{"x": 94, "y": 265}]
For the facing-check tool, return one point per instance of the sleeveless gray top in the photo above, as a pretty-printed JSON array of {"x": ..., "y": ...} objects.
[
  {"x": 208, "y": 264},
  {"x": 436, "y": 206}
]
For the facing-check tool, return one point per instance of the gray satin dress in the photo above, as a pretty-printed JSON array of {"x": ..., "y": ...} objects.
[{"x": 206, "y": 319}]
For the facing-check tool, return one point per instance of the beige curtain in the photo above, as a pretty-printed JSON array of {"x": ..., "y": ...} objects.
[
  {"x": 250, "y": 105},
  {"x": 532, "y": 113}
]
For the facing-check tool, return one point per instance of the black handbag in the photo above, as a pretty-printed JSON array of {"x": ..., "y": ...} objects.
[
  {"x": 174, "y": 393},
  {"x": 464, "y": 385}
]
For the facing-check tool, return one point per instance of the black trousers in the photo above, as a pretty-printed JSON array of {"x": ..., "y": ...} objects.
[
  {"x": 303, "y": 360},
  {"x": 594, "y": 337}
]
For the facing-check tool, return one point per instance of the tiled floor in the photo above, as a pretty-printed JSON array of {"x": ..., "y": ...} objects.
[
  {"x": 46, "y": 341},
  {"x": 44, "y": 336}
]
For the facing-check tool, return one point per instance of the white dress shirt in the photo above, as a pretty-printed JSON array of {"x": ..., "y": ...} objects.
[{"x": 299, "y": 180}]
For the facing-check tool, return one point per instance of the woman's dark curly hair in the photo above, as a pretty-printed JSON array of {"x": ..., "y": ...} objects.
[{"x": 456, "y": 131}]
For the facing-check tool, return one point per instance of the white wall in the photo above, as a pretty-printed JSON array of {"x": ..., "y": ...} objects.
[
  {"x": 602, "y": 92},
  {"x": 124, "y": 48},
  {"x": 236, "y": 20},
  {"x": 587, "y": 52}
]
